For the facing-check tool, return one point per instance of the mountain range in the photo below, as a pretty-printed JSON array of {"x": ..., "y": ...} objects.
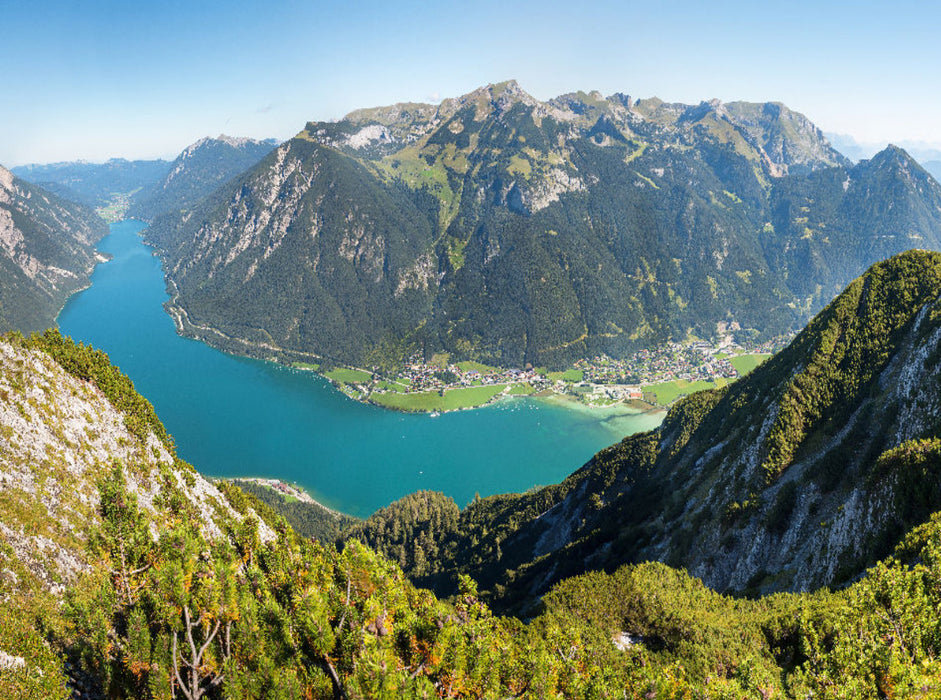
[
  {"x": 921, "y": 151},
  {"x": 48, "y": 231},
  {"x": 779, "y": 537},
  {"x": 148, "y": 188},
  {"x": 497, "y": 227}
]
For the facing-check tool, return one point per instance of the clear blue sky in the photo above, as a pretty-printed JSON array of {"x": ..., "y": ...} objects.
[{"x": 94, "y": 79}]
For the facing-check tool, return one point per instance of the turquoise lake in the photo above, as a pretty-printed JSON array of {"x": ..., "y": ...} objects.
[{"x": 232, "y": 416}]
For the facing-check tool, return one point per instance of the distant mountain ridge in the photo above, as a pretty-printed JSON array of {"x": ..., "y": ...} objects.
[
  {"x": 933, "y": 167},
  {"x": 148, "y": 188},
  {"x": 921, "y": 151},
  {"x": 498, "y": 227},
  {"x": 94, "y": 184},
  {"x": 46, "y": 252},
  {"x": 196, "y": 172}
]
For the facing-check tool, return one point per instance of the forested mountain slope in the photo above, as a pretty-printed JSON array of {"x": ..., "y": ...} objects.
[
  {"x": 46, "y": 252},
  {"x": 498, "y": 227}
]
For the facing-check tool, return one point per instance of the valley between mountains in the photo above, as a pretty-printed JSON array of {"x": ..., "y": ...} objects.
[{"x": 777, "y": 536}]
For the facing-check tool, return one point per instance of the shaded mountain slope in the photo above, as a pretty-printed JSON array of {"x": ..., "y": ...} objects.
[
  {"x": 46, "y": 252},
  {"x": 353, "y": 286}
]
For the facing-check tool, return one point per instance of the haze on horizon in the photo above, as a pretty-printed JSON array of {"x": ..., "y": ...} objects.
[{"x": 102, "y": 79}]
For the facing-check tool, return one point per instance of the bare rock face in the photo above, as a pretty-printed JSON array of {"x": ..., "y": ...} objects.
[{"x": 59, "y": 436}]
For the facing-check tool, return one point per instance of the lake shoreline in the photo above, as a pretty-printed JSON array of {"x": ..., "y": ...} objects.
[
  {"x": 656, "y": 396},
  {"x": 233, "y": 416},
  {"x": 287, "y": 489},
  {"x": 295, "y": 359}
]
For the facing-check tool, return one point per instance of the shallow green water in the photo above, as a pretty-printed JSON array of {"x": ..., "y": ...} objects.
[{"x": 233, "y": 416}]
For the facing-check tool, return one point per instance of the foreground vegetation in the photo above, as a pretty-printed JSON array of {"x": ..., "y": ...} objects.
[{"x": 183, "y": 616}]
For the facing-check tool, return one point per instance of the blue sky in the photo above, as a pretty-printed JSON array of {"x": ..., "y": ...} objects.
[{"x": 95, "y": 79}]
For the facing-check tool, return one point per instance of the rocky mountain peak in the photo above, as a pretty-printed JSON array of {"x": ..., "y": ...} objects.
[
  {"x": 238, "y": 142},
  {"x": 496, "y": 98},
  {"x": 242, "y": 141},
  {"x": 892, "y": 155},
  {"x": 895, "y": 164},
  {"x": 200, "y": 168},
  {"x": 494, "y": 182}
]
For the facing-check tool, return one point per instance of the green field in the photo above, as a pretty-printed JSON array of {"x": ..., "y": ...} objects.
[
  {"x": 569, "y": 375},
  {"x": 112, "y": 213},
  {"x": 744, "y": 364},
  {"x": 391, "y": 386},
  {"x": 345, "y": 375},
  {"x": 432, "y": 401},
  {"x": 668, "y": 392}
]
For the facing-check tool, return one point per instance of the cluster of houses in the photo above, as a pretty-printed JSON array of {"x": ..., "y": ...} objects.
[
  {"x": 692, "y": 361},
  {"x": 618, "y": 392}
]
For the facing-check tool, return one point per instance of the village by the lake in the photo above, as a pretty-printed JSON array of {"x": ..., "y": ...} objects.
[{"x": 648, "y": 379}]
